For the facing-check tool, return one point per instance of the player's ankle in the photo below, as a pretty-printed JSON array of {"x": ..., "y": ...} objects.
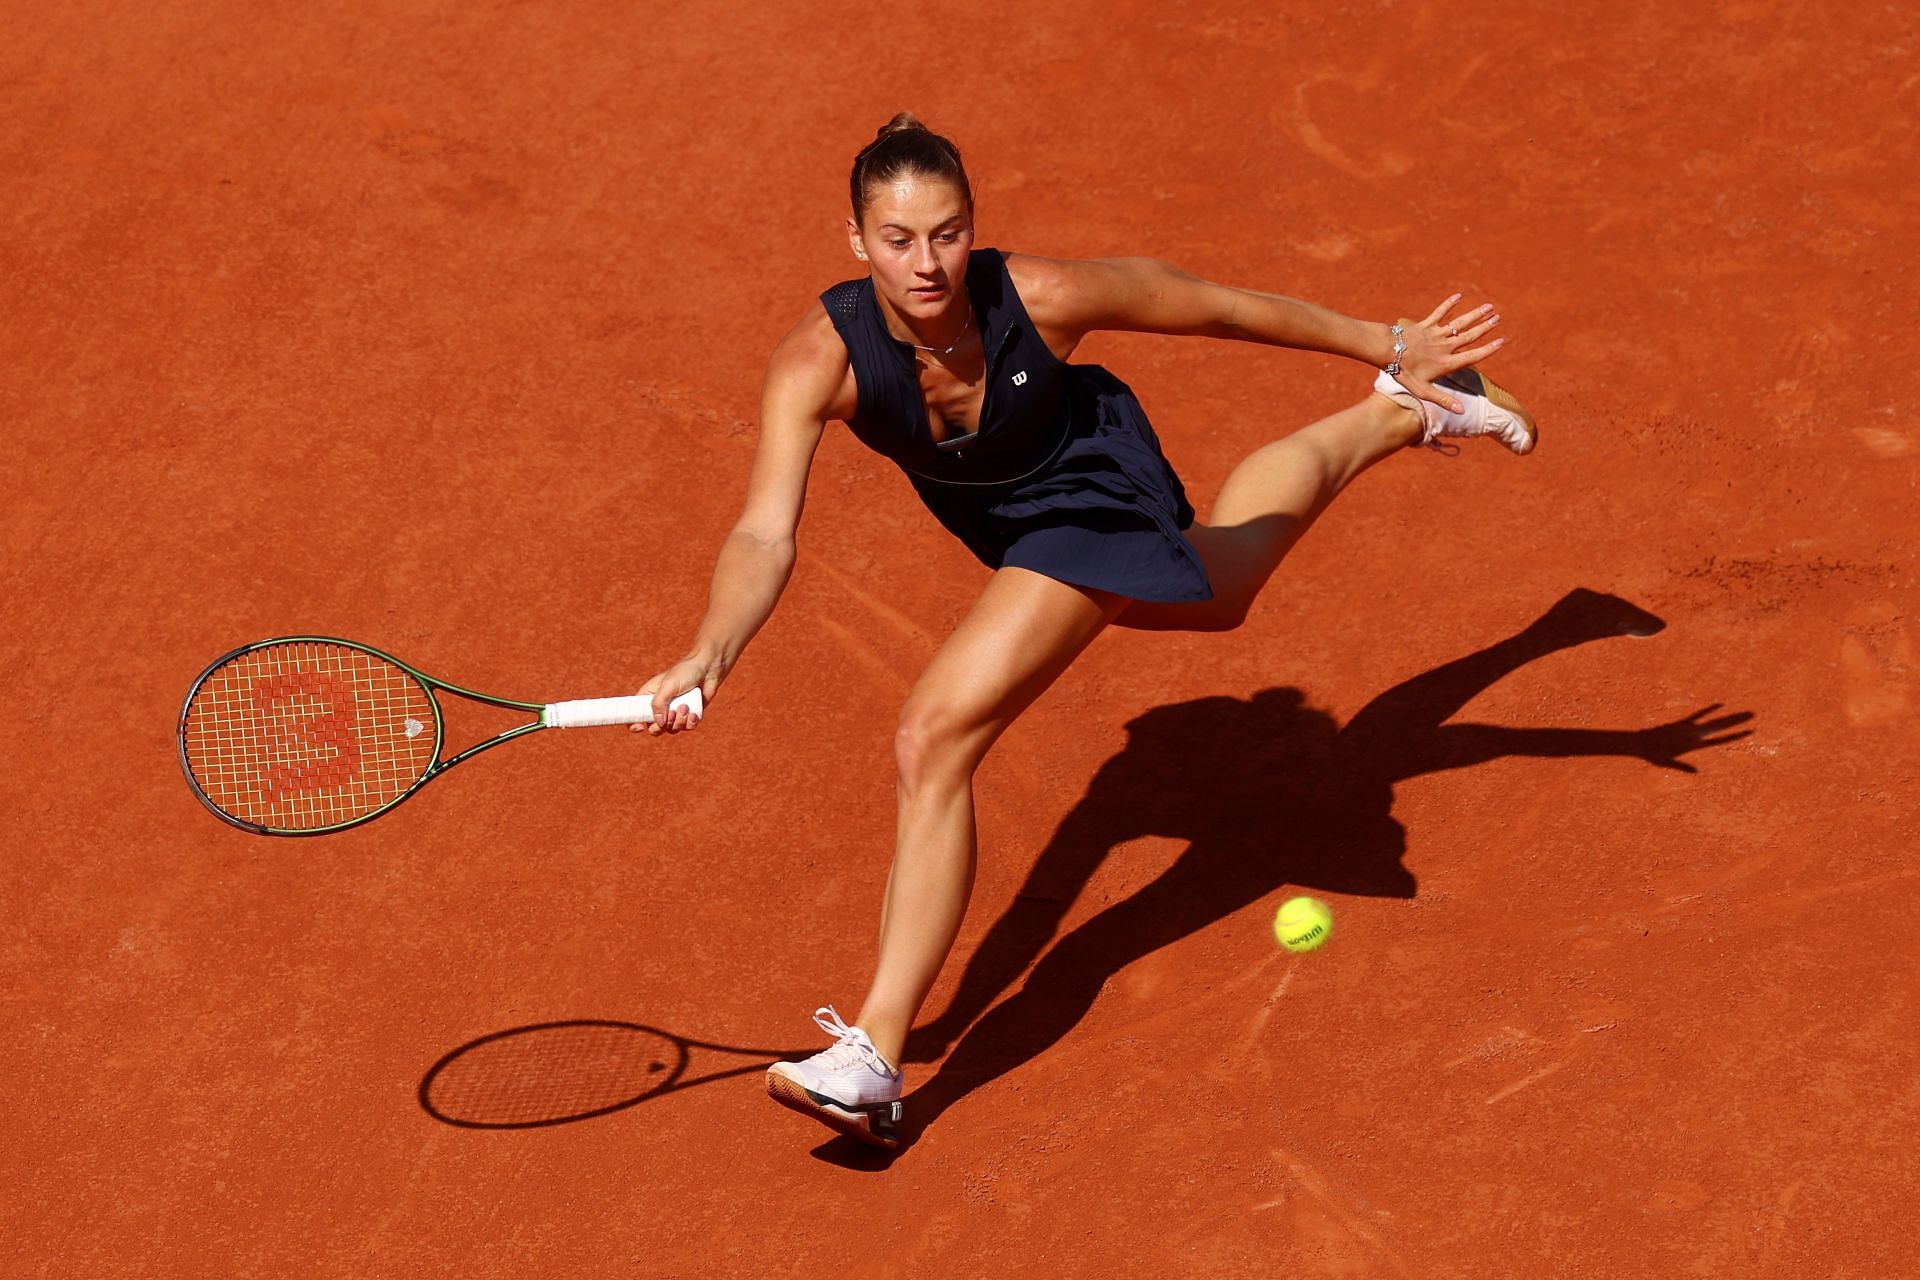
[
  {"x": 1400, "y": 419},
  {"x": 889, "y": 1052},
  {"x": 886, "y": 1042}
]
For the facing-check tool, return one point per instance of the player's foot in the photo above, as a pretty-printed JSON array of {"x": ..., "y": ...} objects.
[
  {"x": 1582, "y": 614},
  {"x": 848, "y": 1087},
  {"x": 1490, "y": 410}
]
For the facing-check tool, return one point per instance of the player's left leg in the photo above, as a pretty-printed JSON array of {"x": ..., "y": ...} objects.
[{"x": 1020, "y": 635}]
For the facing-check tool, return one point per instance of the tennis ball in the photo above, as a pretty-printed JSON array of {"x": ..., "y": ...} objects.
[{"x": 1303, "y": 924}]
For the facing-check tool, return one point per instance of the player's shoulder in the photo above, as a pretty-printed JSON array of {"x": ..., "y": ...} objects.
[
  {"x": 812, "y": 344},
  {"x": 809, "y": 366},
  {"x": 1053, "y": 289},
  {"x": 1040, "y": 279}
]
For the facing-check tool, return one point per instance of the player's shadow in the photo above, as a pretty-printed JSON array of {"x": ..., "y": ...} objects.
[{"x": 1267, "y": 792}]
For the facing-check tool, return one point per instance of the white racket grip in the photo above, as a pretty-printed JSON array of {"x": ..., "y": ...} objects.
[{"x": 637, "y": 708}]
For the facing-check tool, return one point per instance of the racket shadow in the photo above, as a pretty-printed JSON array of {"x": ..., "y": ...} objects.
[
  {"x": 552, "y": 1073},
  {"x": 1267, "y": 792}
]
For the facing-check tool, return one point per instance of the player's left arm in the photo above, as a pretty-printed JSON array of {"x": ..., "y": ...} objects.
[{"x": 1071, "y": 298}]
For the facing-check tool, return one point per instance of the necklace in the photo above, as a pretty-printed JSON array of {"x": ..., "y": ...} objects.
[{"x": 949, "y": 350}]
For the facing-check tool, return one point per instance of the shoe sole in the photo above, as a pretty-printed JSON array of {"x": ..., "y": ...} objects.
[
  {"x": 1501, "y": 396},
  {"x": 872, "y": 1128}
]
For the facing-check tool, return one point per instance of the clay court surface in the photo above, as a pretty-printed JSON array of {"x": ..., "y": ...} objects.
[{"x": 440, "y": 326}]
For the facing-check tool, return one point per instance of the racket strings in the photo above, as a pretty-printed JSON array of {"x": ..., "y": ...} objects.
[{"x": 305, "y": 735}]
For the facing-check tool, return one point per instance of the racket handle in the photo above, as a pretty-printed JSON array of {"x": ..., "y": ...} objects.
[{"x": 634, "y": 709}]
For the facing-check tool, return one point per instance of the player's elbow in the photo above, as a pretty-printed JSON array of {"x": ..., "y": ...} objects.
[
  {"x": 1227, "y": 314},
  {"x": 776, "y": 546}
]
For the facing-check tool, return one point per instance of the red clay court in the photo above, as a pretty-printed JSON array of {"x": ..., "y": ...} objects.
[{"x": 440, "y": 326}]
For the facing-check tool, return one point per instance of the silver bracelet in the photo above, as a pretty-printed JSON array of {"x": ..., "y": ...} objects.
[{"x": 1399, "y": 349}]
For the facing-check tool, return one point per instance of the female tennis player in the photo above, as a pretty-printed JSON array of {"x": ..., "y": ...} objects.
[{"x": 953, "y": 362}]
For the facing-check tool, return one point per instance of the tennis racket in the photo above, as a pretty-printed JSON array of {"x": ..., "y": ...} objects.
[{"x": 304, "y": 735}]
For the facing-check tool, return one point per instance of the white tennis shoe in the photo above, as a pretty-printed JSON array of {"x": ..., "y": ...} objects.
[
  {"x": 848, "y": 1087},
  {"x": 1490, "y": 411}
]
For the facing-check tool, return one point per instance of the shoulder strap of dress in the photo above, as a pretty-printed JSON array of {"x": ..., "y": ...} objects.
[
  {"x": 848, "y": 305},
  {"x": 842, "y": 302},
  {"x": 994, "y": 294},
  {"x": 885, "y": 393}
]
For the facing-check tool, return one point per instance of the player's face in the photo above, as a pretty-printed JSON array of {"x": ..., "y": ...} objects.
[{"x": 915, "y": 236}]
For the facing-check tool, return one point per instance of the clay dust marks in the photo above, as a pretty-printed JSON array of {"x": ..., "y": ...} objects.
[
  {"x": 1680, "y": 888},
  {"x": 1345, "y": 118},
  {"x": 894, "y": 651},
  {"x": 1499, "y": 1043},
  {"x": 1511, "y": 1047},
  {"x": 1524, "y": 1059},
  {"x": 922, "y": 639},
  {"x": 1327, "y": 1225},
  {"x": 1354, "y": 149},
  {"x": 855, "y": 646},
  {"x": 1772, "y": 1231},
  {"x": 1808, "y": 351},
  {"x": 1876, "y": 667},
  {"x": 1768, "y": 584},
  {"x": 453, "y": 182},
  {"x": 1527, "y": 1082},
  {"x": 1882, "y": 442},
  {"x": 1272, "y": 1002},
  {"x": 399, "y": 136},
  {"x": 1785, "y": 900},
  {"x": 1330, "y": 246}
]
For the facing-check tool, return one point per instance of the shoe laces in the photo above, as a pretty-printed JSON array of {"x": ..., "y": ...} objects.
[{"x": 850, "y": 1044}]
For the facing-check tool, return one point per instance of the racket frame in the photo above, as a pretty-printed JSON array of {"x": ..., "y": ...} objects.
[{"x": 428, "y": 683}]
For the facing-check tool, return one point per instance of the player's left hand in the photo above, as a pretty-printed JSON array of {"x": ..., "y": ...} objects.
[
  {"x": 1440, "y": 344},
  {"x": 1664, "y": 744}
]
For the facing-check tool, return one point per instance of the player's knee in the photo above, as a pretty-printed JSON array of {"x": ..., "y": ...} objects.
[{"x": 930, "y": 742}]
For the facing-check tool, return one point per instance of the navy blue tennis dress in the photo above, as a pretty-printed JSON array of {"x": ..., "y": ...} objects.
[{"x": 1064, "y": 477}]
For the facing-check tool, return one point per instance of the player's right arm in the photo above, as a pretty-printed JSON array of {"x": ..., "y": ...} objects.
[{"x": 808, "y": 384}]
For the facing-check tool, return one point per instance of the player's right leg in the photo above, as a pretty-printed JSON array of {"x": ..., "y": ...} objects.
[
  {"x": 1270, "y": 501},
  {"x": 1276, "y": 493}
]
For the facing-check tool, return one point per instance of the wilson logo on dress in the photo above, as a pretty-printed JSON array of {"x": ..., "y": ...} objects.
[{"x": 1020, "y": 378}]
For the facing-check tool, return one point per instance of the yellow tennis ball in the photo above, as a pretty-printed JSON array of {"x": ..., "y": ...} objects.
[{"x": 1303, "y": 924}]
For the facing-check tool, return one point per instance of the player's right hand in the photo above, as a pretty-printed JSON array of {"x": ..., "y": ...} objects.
[
  {"x": 688, "y": 673},
  {"x": 1438, "y": 346}
]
